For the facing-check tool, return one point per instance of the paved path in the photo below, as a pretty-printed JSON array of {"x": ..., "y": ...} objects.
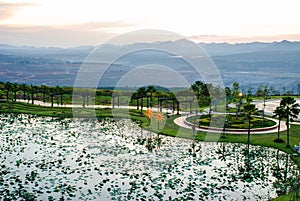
[
  {"x": 41, "y": 103},
  {"x": 270, "y": 106},
  {"x": 180, "y": 121}
]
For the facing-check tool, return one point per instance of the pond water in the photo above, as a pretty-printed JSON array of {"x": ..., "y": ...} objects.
[{"x": 72, "y": 159}]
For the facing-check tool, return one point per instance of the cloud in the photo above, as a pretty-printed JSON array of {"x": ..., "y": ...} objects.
[
  {"x": 9, "y": 9},
  {"x": 244, "y": 39},
  {"x": 98, "y": 25},
  {"x": 91, "y": 33},
  {"x": 176, "y": 56}
]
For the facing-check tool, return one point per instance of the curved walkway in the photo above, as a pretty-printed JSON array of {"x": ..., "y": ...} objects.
[
  {"x": 181, "y": 121},
  {"x": 270, "y": 106},
  {"x": 47, "y": 104}
]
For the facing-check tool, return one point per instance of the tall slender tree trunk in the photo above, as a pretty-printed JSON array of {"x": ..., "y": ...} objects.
[
  {"x": 142, "y": 104},
  {"x": 15, "y": 96},
  {"x": 288, "y": 132},
  {"x": 32, "y": 100},
  {"x": 173, "y": 106},
  {"x": 278, "y": 134},
  {"x": 147, "y": 102},
  {"x": 249, "y": 127},
  {"x": 44, "y": 97},
  {"x": 52, "y": 100},
  {"x": 83, "y": 101},
  {"x": 7, "y": 96}
]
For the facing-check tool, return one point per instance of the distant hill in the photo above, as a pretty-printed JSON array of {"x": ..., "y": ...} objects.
[
  {"x": 251, "y": 64},
  {"x": 220, "y": 49}
]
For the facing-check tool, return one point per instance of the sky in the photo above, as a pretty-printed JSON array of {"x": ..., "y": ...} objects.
[{"x": 67, "y": 23}]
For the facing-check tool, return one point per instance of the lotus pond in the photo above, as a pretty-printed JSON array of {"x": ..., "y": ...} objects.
[{"x": 76, "y": 159}]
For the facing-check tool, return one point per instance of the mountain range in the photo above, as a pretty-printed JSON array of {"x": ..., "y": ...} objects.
[{"x": 253, "y": 64}]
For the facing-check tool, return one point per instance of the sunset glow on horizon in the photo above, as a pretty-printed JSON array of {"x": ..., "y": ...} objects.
[{"x": 91, "y": 22}]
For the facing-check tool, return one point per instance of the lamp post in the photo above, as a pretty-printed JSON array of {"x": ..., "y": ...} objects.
[
  {"x": 240, "y": 101},
  {"x": 223, "y": 134}
]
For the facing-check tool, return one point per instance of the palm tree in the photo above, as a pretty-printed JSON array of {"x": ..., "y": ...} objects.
[
  {"x": 7, "y": 88},
  {"x": 202, "y": 92},
  {"x": 15, "y": 89},
  {"x": 279, "y": 112},
  {"x": 249, "y": 110},
  {"x": 24, "y": 88},
  {"x": 33, "y": 90},
  {"x": 59, "y": 91},
  {"x": 44, "y": 91},
  {"x": 52, "y": 94},
  {"x": 151, "y": 90},
  {"x": 265, "y": 93},
  {"x": 196, "y": 87},
  {"x": 135, "y": 97},
  {"x": 235, "y": 91},
  {"x": 228, "y": 96},
  {"x": 141, "y": 93},
  {"x": 291, "y": 111}
]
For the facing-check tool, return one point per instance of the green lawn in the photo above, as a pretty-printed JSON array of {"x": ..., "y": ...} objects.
[{"x": 233, "y": 121}]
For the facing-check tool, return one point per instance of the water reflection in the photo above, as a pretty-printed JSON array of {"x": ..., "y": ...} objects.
[{"x": 45, "y": 158}]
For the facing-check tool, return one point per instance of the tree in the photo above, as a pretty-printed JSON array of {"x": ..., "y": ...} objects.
[
  {"x": 141, "y": 93},
  {"x": 151, "y": 90},
  {"x": 7, "y": 88},
  {"x": 265, "y": 94},
  {"x": 291, "y": 111},
  {"x": 44, "y": 91},
  {"x": 228, "y": 94},
  {"x": 15, "y": 89},
  {"x": 24, "y": 89},
  {"x": 33, "y": 90},
  {"x": 196, "y": 87},
  {"x": 202, "y": 93},
  {"x": 249, "y": 110},
  {"x": 60, "y": 92},
  {"x": 235, "y": 91},
  {"x": 135, "y": 97},
  {"x": 279, "y": 112},
  {"x": 52, "y": 93}
]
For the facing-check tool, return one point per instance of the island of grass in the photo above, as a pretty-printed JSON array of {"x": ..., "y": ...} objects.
[{"x": 231, "y": 121}]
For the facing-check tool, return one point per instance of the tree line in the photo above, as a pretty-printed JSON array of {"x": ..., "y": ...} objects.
[{"x": 9, "y": 92}]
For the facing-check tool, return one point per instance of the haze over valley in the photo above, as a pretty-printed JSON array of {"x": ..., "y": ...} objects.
[{"x": 274, "y": 64}]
